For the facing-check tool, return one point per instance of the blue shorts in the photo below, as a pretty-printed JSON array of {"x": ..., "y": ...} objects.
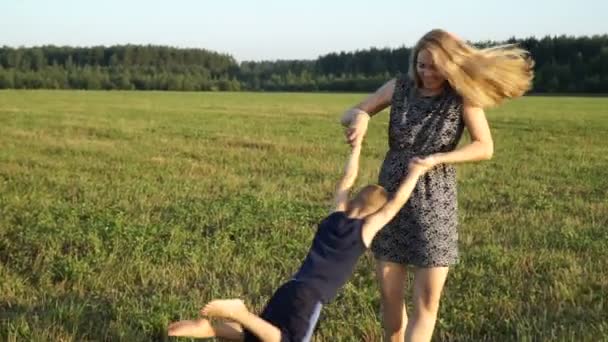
[{"x": 294, "y": 309}]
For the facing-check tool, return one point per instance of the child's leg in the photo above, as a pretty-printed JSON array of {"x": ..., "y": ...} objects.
[
  {"x": 235, "y": 309},
  {"x": 202, "y": 328}
]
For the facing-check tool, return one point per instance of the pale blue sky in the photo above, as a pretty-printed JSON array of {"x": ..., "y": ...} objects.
[{"x": 274, "y": 29}]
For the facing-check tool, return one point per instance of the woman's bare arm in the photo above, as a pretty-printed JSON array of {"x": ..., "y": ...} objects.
[
  {"x": 481, "y": 146},
  {"x": 373, "y": 104}
]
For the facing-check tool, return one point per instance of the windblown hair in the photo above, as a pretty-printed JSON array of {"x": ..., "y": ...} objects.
[
  {"x": 368, "y": 200},
  {"x": 483, "y": 77}
]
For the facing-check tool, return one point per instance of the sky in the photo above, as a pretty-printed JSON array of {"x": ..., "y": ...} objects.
[{"x": 274, "y": 29}]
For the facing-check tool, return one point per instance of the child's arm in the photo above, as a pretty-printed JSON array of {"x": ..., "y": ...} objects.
[
  {"x": 347, "y": 181},
  {"x": 379, "y": 219}
]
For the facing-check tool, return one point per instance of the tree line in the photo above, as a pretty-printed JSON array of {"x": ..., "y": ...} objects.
[{"x": 564, "y": 64}]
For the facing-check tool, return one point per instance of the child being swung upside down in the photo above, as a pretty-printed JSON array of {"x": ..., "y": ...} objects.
[{"x": 342, "y": 237}]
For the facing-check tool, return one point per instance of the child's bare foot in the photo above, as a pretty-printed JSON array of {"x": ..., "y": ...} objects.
[
  {"x": 226, "y": 308},
  {"x": 192, "y": 328}
]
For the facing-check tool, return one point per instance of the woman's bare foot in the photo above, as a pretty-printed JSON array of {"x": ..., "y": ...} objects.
[
  {"x": 226, "y": 308},
  {"x": 192, "y": 328}
]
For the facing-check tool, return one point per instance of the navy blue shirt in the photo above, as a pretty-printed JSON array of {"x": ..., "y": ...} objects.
[{"x": 331, "y": 260}]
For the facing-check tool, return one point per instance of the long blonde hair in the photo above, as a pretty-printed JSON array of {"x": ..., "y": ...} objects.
[{"x": 483, "y": 77}]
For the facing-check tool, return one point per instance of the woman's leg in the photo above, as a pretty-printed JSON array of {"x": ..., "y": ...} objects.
[
  {"x": 428, "y": 285},
  {"x": 392, "y": 280}
]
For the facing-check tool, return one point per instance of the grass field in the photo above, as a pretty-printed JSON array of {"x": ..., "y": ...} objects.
[{"x": 122, "y": 211}]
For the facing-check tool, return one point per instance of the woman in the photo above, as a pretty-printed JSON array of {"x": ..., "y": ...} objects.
[{"x": 448, "y": 85}]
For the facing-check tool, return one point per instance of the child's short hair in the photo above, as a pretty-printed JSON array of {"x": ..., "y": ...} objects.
[{"x": 369, "y": 199}]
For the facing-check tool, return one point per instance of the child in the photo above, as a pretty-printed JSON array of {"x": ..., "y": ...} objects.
[{"x": 341, "y": 238}]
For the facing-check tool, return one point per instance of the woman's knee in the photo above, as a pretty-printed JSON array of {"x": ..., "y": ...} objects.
[
  {"x": 427, "y": 300},
  {"x": 391, "y": 294},
  {"x": 428, "y": 288},
  {"x": 391, "y": 280}
]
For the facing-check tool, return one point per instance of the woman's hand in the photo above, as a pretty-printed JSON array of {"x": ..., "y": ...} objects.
[
  {"x": 424, "y": 164},
  {"x": 357, "y": 118},
  {"x": 357, "y": 129}
]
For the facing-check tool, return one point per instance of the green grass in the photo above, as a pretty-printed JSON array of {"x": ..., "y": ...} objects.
[{"x": 122, "y": 211}]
